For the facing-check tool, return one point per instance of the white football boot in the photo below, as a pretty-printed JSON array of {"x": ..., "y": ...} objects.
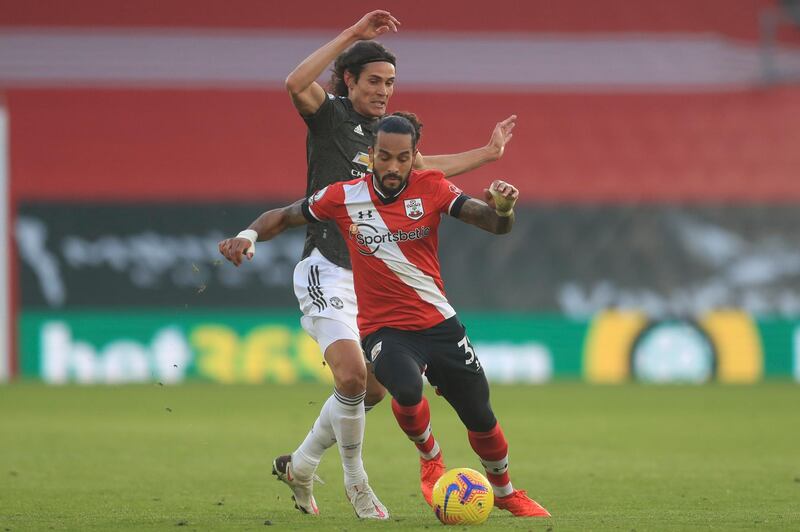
[
  {"x": 365, "y": 502},
  {"x": 302, "y": 490}
]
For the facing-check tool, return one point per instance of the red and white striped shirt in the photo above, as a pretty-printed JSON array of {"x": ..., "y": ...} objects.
[{"x": 393, "y": 247}]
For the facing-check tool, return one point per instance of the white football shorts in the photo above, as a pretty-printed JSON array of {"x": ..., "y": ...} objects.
[{"x": 327, "y": 300}]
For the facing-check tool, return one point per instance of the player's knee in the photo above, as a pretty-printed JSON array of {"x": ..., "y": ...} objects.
[
  {"x": 347, "y": 365},
  {"x": 408, "y": 393},
  {"x": 351, "y": 381}
]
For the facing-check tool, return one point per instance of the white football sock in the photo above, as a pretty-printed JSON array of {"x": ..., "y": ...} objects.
[
  {"x": 502, "y": 491},
  {"x": 321, "y": 436},
  {"x": 347, "y": 420}
]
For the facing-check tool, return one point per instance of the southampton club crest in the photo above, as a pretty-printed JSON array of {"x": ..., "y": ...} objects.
[{"x": 414, "y": 208}]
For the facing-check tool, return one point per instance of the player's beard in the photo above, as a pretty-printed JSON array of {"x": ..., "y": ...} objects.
[{"x": 396, "y": 181}]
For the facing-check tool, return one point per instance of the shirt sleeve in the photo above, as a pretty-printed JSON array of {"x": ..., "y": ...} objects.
[
  {"x": 321, "y": 205},
  {"x": 324, "y": 120},
  {"x": 449, "y": 198}
]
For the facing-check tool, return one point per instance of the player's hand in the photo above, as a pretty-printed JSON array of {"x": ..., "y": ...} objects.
[
  {"x": 373, "y": 24},
  {"x": 502, "y": 196},
  {"x": 501, "y": 136},
  {"x": 236, "y": 249}
]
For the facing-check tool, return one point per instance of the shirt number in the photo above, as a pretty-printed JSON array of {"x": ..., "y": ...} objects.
[{"x": 469, "y": 352}]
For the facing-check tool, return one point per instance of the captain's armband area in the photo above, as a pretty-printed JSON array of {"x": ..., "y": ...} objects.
[
  {"x": 457, "y": 205},
  {"x": 306, "y": 212}
]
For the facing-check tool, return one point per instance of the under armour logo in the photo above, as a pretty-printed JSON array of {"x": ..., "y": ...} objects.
[{"x": 365, "y": 214}]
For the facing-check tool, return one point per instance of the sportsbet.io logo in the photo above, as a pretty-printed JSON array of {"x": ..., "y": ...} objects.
[{"x": 368, "y": 240}]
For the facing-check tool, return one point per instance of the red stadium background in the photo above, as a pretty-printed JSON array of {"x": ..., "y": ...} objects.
[
  {"x": 734, "y": 139},
  {"x": 573, "y": 145}
]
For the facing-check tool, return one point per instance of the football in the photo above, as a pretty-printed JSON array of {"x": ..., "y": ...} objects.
[{"x": 462, "y": 497}]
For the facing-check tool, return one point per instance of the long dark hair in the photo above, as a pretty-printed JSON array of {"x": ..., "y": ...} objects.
[{"x": 353, "y": 60}]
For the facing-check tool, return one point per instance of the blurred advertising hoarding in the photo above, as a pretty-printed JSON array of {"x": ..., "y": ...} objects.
[
  {"x": 576, "y": 260},
  {"x": 246, "y": 346},
  {"x": 146, "y": 255},
  {"x": 252, "y": 347},
  {"x": 138, "y": 292}
]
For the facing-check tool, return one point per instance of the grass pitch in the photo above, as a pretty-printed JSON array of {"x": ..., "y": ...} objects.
[{"x": 198, "y": 457}]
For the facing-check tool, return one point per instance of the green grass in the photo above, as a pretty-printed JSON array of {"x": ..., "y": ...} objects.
[{"x": 599, "y": 458}]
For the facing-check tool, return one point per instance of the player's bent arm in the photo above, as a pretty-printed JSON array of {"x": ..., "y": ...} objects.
[
  {"x": 307, "y": 95},
  {"x": 496, "y": 215},
  {"x": 459, "y": 163},
  {"x": 266, "y": 227},
  {"x": 454, "y": 164},
  {"x": 480, "y": 214},
  {"x": 308, "y": 100},
  {"x": 272, "y": 223}
]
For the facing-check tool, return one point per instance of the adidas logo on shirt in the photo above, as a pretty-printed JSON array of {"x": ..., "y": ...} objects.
[{"x": 359, "y": 130}]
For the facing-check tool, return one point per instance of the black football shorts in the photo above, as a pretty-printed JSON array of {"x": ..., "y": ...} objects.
[{"x": 443, "y": 352}]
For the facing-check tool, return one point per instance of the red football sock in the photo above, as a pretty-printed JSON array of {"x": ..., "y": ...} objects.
[
  {"x": 416, "y": 423},
  {"x": 492, "y": 448}
]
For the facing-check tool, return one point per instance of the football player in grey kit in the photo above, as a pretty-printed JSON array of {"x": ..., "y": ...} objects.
[{"x": 339, "y": 136}]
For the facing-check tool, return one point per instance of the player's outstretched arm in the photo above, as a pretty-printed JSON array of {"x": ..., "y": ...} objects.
[
  {"x": 459, "y": 163},
  {"x": 266, "y": 227},
  {"x": 307, "y": 95},
  {"x": 496, "y": 215}
]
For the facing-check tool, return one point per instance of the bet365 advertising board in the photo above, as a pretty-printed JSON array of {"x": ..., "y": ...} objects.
[{"x": 139, "y": 293}]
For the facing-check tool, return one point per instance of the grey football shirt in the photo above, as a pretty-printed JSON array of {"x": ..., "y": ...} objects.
[{"x": 337, "y": 146}]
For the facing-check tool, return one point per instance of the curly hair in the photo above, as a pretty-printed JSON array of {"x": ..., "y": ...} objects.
[{"x": 353, "y": 60}]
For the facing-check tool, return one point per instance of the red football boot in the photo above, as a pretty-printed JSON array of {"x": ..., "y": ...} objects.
[
  {"x": 429, "y": 473},
  {"x": 519, "y": 504}
]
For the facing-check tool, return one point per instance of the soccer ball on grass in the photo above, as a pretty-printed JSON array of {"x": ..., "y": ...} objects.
[{"x": 462, "y": 496}]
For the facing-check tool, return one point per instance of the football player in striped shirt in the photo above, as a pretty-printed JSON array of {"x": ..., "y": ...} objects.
[{"x": 390, "y": 222}]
